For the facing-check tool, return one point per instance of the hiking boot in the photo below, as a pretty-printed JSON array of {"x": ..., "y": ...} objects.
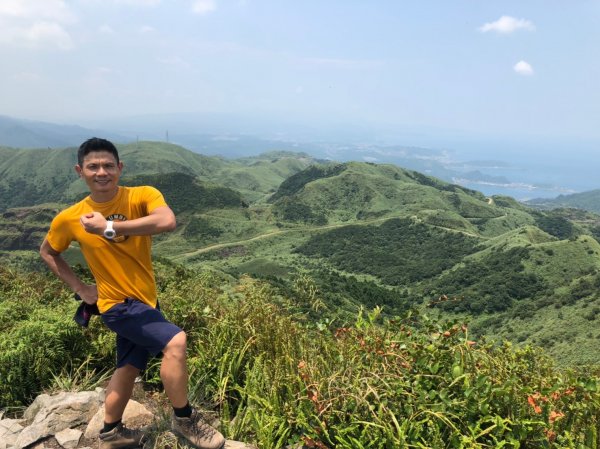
[
  {"x": 120, "y": 437},
  {"x": 197, "y": 431}
]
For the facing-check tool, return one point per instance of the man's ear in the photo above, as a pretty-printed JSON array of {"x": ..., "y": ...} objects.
[{"x": 78, "y": 169}]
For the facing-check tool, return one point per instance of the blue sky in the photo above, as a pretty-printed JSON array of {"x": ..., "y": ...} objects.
[{"x": 517, "y": 69}]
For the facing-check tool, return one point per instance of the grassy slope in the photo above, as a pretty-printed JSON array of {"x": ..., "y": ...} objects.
[
  {"x": 363, "y": 191},
  {"x": 29, "y": 177},
  {"x": 264, "y": 239},
  {"x": 589, "y": 201},
  {"x": 274, "y": 378}
]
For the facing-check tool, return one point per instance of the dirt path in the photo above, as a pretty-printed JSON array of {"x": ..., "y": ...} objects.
[
  {"x": 209, "y": 248},
  {"x": 273, "y": 233}
]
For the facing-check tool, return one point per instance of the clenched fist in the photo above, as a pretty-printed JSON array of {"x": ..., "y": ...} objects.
[{"x": 93, "y": 222}]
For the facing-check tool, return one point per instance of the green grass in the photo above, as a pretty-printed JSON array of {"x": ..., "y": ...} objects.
[
  {"x": 563, "y": 261},
  {"x": 275, "y": 378},
  {"x": 38, "y": 176},
  {"x": 235, "y": 230}
]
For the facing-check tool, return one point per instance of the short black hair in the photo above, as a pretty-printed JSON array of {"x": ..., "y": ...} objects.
[{"x": 96, "y": 144}]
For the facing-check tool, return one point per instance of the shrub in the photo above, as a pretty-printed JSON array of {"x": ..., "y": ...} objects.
[{"x": 276, "y": 380}]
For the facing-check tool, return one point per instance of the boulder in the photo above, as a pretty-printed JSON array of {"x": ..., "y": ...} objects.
[
  {"x": 48, "y": 415},
  {"x": 135, "y": 416},
  {"x": 9, "y": 432},
  {"x": 58, "y": 416},
  {"x": 68, "y": 438}
]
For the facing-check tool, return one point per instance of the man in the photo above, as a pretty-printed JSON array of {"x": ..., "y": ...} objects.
[{"x": 113, "y": 227}]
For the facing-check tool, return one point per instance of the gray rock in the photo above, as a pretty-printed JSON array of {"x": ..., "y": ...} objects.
[
  {"x": 101, "y": 393},
  {"x": 48, "y": 415},
  {"x": 135, "y": 416},
  {"x": 57, "y": 415},
  {"x": 68, "y": 438},
  {"x": 9, "y": 432}
]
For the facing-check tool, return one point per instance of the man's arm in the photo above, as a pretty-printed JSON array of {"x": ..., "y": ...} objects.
[
  {"x": 161, "y": 219},
  {"x": 60, "y": 268}
]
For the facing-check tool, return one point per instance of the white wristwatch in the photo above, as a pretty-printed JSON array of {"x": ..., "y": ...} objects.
[{"x": 109, "y": 232}]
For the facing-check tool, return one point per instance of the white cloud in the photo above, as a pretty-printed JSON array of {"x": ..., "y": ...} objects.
[
  {"x": 174, "y": 61},
  {"x": 507, "y": 25},
  {"x": 523, "y": 68},
  {"x": 147, "y": 29},
  {"x": 36, "y": 23},
  {"x": 42, "y": 32},
  {"x": 55, "y": 10},
  {"x": 106, "y": 29},
  {"x": 37, "y": 35},
  {"x": 204, "y": 6}
]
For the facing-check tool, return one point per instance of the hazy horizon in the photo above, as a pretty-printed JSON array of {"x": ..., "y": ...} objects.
[{"x": 521, "y": 72}]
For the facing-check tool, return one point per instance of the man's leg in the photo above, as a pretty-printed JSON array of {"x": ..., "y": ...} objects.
[
  {"x": 186, "y": 422},
  {"x": 173, "y": 370},
  {"x": 115, "y": 435},
  {"x": 119, "y": 392}
]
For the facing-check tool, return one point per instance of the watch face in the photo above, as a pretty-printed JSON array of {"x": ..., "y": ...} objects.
[
  {"x": 114, "y": 238},
  {"x": 109, "y": 234}
]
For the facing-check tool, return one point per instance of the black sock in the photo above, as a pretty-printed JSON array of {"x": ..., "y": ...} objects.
[
  {"x": 183, "y": 412},
  {"x": 110, "y": 426}
]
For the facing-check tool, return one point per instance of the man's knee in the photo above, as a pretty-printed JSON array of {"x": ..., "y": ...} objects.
[
  {"x": 177, "y": 346},
  {"x": 128, "y": 371}
]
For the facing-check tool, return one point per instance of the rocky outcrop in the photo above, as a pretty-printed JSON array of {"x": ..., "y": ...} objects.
[
  {"x": 72, "y": 421},
  {"x": 48, "y": 415}
]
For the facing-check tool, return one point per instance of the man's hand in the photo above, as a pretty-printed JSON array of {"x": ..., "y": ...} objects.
[
  {"x": 93, "y": 223},
  {"x": 88, "y": 294}
]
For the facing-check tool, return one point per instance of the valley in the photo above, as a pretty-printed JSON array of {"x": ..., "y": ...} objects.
[{"x": 362, "y": 234}]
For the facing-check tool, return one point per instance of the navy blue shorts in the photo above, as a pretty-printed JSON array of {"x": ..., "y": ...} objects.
[{"x": 142, "y": 331}]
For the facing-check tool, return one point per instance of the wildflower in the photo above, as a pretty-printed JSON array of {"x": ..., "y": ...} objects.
[
  {"x": 554, "y": 416},
  {"x": 532, "y": 401}
]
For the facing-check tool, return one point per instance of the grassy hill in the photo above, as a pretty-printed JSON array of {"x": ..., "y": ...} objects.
[
  {"x": 275, "y": 377},
  {"x": 359, "y": 234},
  {"x": 30, "y": 177},
  {"x": 589, "y": 201},
  {"x": 356, "y": 191},
  {"x": 358, "y": 228}
]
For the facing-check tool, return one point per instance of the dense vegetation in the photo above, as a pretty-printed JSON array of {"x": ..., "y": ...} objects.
[
  {"x": 589, "y": 201},
  {"x": 296, "y": 182},
  {"x": 475, "y": 285},
  {"x": 276, "y": 379},
  {"x": 555, "y": 224},
  {"x": 32, "y": 177},
  {"x": 366, "y": 234},
  {"x": 398, "y": 252},
  {"x": 185, "y": 193}
]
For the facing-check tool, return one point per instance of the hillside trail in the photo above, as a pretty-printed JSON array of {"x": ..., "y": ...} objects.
[{"x": 304, "y": 229}]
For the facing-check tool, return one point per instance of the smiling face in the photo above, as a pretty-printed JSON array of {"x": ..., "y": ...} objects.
[{"x": 101, "y": 171}]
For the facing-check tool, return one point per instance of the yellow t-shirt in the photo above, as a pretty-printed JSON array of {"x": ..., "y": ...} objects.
[{"x": 122, "y": 267}]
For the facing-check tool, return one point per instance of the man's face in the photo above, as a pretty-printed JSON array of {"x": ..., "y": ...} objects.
[{"x": 101, "y": 172}]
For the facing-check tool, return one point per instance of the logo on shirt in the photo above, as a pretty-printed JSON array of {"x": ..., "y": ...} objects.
[{"x": 118, "y": 217}]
